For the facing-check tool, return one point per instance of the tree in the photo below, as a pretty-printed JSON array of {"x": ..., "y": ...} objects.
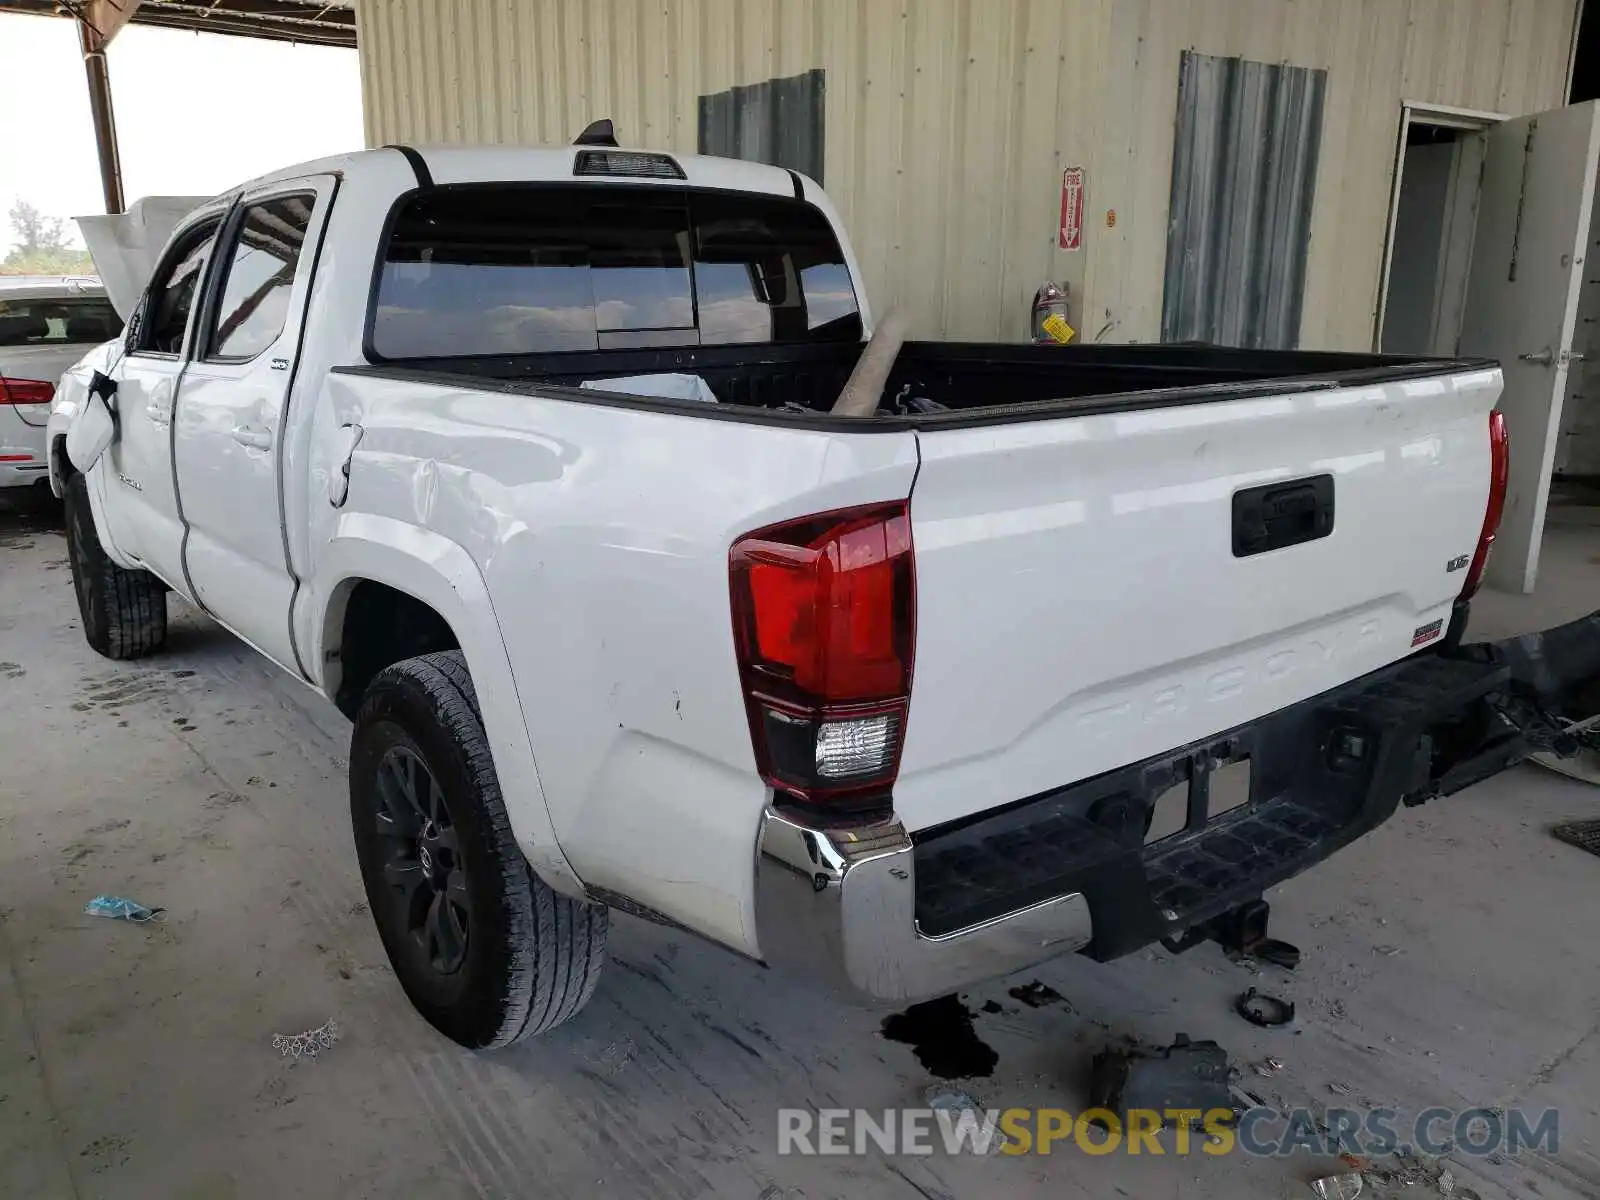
[{"x": 43, "y": 247}]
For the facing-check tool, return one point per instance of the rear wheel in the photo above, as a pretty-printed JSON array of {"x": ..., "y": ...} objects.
[
  {"x": 124, "y": 612},
  {"x": 485, "y": 950}
]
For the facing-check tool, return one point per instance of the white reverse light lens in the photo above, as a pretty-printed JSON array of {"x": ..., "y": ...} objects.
[{"x": 860, "y": 747}]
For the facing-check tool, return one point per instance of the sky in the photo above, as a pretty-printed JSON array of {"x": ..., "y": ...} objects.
[{"x": 196, "y": 113}]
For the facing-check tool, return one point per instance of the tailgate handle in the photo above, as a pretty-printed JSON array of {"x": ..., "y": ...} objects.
[{"x": 1275, "y": 515}]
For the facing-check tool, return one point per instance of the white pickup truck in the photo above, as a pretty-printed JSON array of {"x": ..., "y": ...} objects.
[{"x": 885, "y": 700}]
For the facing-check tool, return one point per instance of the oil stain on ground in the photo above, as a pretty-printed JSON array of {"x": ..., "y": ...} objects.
[{"x": 940, "y": 1034}]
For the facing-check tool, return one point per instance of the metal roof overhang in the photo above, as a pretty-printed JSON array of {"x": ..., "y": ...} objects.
[{"x": 310, "y": 22}]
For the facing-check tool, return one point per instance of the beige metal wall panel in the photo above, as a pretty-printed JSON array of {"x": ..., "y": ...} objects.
[{"x": 949, "y": 121}]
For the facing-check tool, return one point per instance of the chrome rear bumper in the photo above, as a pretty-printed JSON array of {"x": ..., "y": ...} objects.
[{"x": 839, "y": 905}]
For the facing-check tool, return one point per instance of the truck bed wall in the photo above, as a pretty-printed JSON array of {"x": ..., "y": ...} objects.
[{"x": 954, "y": 374}]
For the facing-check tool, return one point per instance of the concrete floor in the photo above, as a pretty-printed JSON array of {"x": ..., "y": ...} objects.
[{"x": 1450, "y": 959}]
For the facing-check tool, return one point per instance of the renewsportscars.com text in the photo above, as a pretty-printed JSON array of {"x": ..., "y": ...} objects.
[{"x": 1218, "y": 1131}]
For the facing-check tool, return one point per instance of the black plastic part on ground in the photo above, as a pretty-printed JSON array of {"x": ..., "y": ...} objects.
[
  {"x": 1259, "y": 1008},
  {"x": 1185, "y": 1075},
  {"x": 1585, "y": 835}
]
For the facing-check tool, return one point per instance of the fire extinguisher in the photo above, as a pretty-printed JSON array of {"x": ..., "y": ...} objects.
[{"x": 1050, "y": 326}]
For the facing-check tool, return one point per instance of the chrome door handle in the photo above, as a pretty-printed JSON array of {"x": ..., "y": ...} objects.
[{"x": 255, "y": 439}]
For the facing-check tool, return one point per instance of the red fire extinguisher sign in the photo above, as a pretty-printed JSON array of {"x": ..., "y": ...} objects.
[{"x": 1072, "y": 208}]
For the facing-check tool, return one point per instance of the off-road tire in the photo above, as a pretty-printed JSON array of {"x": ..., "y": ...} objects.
[
  {"x": 532, "y": 956},
  {"x": 124, "y": 612}
]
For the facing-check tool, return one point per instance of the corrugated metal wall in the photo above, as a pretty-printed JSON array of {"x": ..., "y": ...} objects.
[
  {"x": 1244, "y": 173},
  {"x": 949, "y": 121},
  {"x": 782, "y": 122}
]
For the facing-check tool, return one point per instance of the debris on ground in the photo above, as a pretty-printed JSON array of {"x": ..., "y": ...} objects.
[
  {"x": 119, "y": 908},
  {"x": 984, "y": 1123},
  {"x": 1246, "y": 1099},
  {"x": 1269, "y": 1067},
  {"x": 1584, "y": 763},
  {"x": 1267, "y": 1011},
  {"x": 1337, "y": 1187},
  {"x": 1409, "y": 1170},
  {"x": 937, "y": 1095},
  {"x": 1338, "y": 1089},
  {"x": 1585, "y": 835},
  {"x": 308, "y": 1044},
  {"x": 1186, "y": 1074},
  {"x": 1037, "y": 995}
]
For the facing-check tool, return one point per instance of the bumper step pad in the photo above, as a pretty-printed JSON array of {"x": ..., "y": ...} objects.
[
  {"x": 1323, "y": 772},
  {"x": 1267, "y": 840}
]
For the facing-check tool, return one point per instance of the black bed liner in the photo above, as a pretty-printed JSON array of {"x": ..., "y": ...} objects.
[{"x": 980, "y": 383}]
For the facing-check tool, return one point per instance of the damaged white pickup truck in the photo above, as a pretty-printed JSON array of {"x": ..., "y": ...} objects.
[{"x": 887, "y": 700}]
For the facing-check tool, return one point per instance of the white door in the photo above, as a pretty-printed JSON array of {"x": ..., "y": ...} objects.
[
  {"x": 231, "y": 413},
  {"x": 1522, "y": 302},
  {"x": 142, "y": 508}
]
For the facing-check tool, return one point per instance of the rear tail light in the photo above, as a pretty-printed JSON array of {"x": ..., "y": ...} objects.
[
  {"x": 1499, "y": 476},
  {"x": 825, "y": 628},
  {"x": 26, "y": 391}
]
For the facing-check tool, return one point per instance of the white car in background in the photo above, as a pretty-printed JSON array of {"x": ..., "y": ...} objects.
[{"x": 47, "y": 323}]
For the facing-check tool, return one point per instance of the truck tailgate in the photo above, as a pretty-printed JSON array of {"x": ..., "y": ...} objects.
[{"x": 1093, "y": 590}]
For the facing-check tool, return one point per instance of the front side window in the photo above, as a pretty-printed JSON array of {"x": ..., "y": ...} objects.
[
  {"x": 172, "y": 296},
  {"x": 514, "y": 269},
  {"x": 259, "y": 286}
]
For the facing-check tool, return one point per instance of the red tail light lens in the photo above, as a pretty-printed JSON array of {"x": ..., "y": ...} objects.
[
  {"x": 1499, "y": 477},
  {"x": 825, "y": 628},
  {"x": 26, "y": 391}
]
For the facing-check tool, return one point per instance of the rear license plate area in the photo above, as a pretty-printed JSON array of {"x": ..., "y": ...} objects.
[{"x": 1192, "y": 803}]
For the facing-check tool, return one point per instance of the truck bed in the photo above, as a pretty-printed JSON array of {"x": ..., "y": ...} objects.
[{"x": 977, "y": 382}]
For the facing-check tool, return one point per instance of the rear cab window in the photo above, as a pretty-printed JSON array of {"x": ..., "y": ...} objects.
[
  {"x": 57, "y": 321},
  {"x": 531, "y": 269}
]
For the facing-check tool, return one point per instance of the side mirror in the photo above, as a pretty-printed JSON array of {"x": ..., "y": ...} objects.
[
  {"x": 95, "y": 426},
  {"x": 103, "y": 388}
]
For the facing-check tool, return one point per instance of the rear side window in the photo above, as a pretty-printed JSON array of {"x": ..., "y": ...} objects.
[
  {"x": 57, "y": 321},
  {"x": 260, "y": 282},
  {"x": 527, "y": 270}
]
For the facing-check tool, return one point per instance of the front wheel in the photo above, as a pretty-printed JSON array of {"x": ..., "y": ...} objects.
[
  {"x": 124, "y": 612},
  {"x": 486, "y": 951}
]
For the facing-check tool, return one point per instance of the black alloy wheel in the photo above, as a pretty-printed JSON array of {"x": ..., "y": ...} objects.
[{"x": 422, "y": 861}]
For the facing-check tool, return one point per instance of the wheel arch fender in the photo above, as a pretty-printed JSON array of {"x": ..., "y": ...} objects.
[{"x": 437, "y": 572}]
